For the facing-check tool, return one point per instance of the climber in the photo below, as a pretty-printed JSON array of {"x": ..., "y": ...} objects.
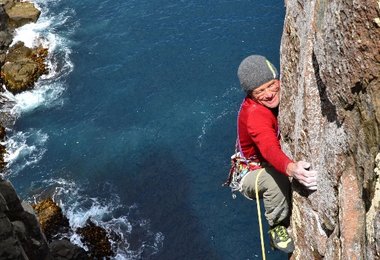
[{"x": 258, "y": 148}]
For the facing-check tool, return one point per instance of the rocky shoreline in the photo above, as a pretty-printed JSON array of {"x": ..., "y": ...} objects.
[{"x": 33, "y": 231}]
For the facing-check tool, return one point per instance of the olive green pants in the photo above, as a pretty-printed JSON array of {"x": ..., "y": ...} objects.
[{"x": 274, "y": 188}]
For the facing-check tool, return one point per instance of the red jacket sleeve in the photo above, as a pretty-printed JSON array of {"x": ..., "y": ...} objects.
[{"x": 262, "y": 128}]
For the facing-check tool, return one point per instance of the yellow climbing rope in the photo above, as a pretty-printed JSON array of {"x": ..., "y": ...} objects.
[{"x": 259, "y": 214}]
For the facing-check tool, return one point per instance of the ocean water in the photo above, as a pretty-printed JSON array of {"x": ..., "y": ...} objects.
[{"x": 135, "y": 122}]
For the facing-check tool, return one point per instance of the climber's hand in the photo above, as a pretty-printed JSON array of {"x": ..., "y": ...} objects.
[{"x": 299, "y": 171}]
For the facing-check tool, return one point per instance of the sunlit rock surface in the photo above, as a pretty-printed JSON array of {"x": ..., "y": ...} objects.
[
  {"x": 330, "y": 116},
  {"x": 23, "y": 67},
  {"x": 21, "y": 13},
  {"x": 51, "y": 218}
]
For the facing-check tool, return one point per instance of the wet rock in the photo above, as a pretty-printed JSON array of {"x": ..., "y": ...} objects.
[
  {"x": 22, "y": 13},
  {"x": 96, "y": 239},
  {"x": 51, "y": 218},
  {"x": 23, "y": 66},
  {"x": 20, "y": 234},
  {"x": 65, "y": 250},
  {"x": 18, "y": 52}
]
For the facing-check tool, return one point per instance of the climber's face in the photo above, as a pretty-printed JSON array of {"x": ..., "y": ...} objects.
[{"x": 268, "y": 94}]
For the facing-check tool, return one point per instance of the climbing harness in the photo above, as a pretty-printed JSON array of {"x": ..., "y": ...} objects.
[{"x": 240, "y": 166}]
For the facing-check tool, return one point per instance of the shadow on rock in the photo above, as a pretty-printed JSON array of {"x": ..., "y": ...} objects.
[{"x": 96, "y": 239}]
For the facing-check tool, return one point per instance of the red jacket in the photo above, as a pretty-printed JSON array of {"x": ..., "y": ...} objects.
[{"x": 259, "y": 135}]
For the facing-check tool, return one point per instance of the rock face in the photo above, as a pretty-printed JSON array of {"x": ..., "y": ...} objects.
[
  {"x": 20, "y": 234},
  {"x": 51, "y": 218},
  {"x": 65, "y": 250},
  {"x": 21, "y": 13},
  {"x": 23, "y": 66},
  {"x": 330, "y": 116},
  {"x": 5, "y": 35}
]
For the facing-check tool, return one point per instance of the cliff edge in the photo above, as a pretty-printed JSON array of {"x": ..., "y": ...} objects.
[{"x": 330, "y": 116}]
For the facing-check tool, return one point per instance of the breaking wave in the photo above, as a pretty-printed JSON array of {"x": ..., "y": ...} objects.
[
  {"x": 124, "y": 229},
  {"x": 24, "y": 149},
  {"x": 49, "y": 87}
]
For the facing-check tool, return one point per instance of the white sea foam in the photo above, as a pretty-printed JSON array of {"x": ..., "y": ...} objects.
[
  {"x": 79, "y": 207},
  {"x": 42, "y": 94},
  {"x": 50, "y": 31},
  {"x": 31, "y": 34},
  {"x": 49, "y": 88},
  {"x": 24, "y": 148}
]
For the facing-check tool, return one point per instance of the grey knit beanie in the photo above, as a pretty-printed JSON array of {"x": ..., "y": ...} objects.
[{"x": 254, "y": 71}]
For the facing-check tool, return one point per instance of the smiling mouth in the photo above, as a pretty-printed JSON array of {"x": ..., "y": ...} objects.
[{"x": 271, "y": 98}]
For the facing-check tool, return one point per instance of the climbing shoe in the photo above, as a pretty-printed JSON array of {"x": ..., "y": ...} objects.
[{"x": 280, "y": 239}]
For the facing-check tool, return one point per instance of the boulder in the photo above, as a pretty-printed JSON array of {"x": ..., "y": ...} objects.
[
  {"x": 330, "y": 116},
  {"x": 23, "y": 66},
  {"x": 96, "y": 239},
  {"x": 22, "y": 13},
  {"x": 51, "y": 218},
  {"x": 18, "y": 52},
  {"x": 20, "y": 76}
]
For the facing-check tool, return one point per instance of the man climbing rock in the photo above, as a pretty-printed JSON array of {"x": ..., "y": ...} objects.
[{"x": 259, "y": 152}]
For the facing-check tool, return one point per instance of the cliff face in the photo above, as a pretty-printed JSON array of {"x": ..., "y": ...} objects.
[
  {"x": 20, "y": 234},
  {"x": 330, "y": 116}
]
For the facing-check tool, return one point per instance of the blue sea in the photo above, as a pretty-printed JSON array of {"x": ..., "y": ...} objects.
[{"x": 134, "y": 125}]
